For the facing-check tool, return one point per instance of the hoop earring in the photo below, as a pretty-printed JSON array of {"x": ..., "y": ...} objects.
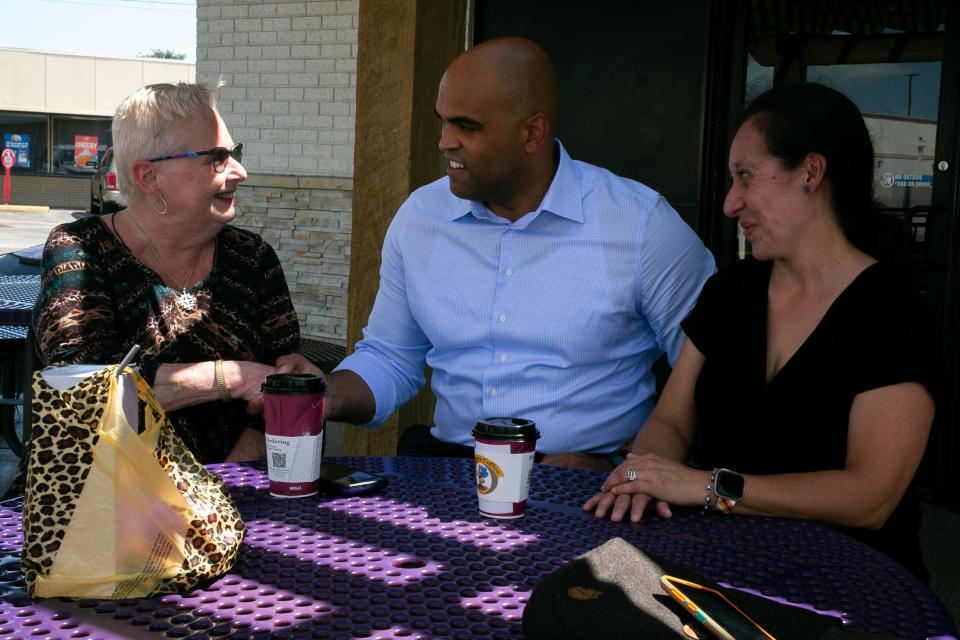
[{"x": 160, "y": 205}]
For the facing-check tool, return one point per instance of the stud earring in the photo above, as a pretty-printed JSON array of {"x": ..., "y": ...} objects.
[{"x": 806, "y": 188}]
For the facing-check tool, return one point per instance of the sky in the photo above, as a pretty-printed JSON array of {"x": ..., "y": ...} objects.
[{"x": 124, "y": 28}]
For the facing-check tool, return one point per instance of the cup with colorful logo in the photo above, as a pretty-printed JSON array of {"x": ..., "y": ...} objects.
[
  {"x": 503, "y": 457},
  {"x": 293, "y": 416}
]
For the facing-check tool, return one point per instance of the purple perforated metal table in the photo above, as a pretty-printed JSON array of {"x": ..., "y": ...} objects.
[{"x": 418, "y": 562}]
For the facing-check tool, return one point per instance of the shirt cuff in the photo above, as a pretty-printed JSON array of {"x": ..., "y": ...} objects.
[{"x": 382, "y": 385}]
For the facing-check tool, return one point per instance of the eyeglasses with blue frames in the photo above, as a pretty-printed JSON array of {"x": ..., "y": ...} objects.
[{"x": 219, "y": 155}]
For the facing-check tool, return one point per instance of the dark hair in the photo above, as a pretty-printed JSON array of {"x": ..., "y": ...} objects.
[{"x": 797, "y": 119}]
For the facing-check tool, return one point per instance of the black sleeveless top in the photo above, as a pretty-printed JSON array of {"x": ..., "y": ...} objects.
[{"x": 877, "y": 333}]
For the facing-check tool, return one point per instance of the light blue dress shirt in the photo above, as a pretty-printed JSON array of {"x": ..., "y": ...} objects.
[{"x": 556, "y": 317}]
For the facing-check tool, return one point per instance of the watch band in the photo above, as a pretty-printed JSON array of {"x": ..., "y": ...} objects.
[{"x": 725, "y": 505}]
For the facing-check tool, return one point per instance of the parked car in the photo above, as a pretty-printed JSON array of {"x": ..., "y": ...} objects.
[{"x": 104, "y": 196}]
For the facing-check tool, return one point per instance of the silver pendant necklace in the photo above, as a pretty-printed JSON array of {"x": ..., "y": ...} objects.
[{"x": 185, "y": 300}]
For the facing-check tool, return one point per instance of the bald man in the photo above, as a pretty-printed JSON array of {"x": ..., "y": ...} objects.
[{"x": 534, "y": 286}]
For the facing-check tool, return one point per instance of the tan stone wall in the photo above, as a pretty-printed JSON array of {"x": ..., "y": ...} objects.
[
  {"x": 307, "y": 222},
  {"x": 289, "y": 69}
]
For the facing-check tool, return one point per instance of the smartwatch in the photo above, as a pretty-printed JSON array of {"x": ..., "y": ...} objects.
[{"x": 729, "y": 489}]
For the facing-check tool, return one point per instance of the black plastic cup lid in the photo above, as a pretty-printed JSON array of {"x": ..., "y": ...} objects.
[
  {"x": 506, "y": 429},
  {"x": 294, "y": 383}
]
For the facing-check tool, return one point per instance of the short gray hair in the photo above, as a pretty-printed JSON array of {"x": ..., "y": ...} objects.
[{"x": 145, "y": 124}]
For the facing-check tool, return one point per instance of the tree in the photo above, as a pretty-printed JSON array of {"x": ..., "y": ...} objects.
[{"x": 166, "y": 54}]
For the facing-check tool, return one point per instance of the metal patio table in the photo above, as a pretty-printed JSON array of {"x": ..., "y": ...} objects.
[{"x": 417, "y": 561}]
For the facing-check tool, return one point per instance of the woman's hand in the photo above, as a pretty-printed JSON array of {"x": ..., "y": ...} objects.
[
  {"x": 660, "y": 479},
  {"x": 243, "y": 381},
  {"x": 296, "y": 363},
  {"x": 620, "y": 505},
  {"x": 253, "y": 374}
]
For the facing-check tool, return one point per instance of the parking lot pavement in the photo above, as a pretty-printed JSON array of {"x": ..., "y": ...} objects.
[{"x": 21, "y": 229}]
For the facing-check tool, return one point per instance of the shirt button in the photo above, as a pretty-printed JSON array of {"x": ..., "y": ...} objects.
[
  {"x": 493, "y": 393},
  {"x": 503, "y": 357},
  {"x": 509, "y": 272},
  {"x": 503, "y": 317}
]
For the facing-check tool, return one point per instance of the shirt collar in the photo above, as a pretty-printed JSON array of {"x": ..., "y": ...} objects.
[{"x": 563, "y": 197}]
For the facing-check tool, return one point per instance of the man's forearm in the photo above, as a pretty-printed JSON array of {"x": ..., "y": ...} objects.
[{"x": 349, "y": 399}]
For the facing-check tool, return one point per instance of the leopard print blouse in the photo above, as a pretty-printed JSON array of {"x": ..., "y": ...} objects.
[{"x": 97, "y": 300}]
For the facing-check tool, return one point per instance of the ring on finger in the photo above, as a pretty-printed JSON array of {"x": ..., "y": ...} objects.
[{"x": 631, "y": 474}]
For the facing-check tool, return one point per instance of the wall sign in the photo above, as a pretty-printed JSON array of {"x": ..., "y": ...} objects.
[
  {"x": 84, "y": 150},
  {"x": 889, "y": 180},
  {"x": 20, "y": 144}
]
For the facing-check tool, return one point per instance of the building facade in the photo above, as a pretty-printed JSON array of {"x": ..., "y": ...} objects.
[{"x": 56, "y": 111}]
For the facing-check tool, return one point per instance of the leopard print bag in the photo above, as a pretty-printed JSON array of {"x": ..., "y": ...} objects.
[{"x": 110, "y": 513}]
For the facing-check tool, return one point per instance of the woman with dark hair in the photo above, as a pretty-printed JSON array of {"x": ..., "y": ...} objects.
[{"x": 810, "y": 370}]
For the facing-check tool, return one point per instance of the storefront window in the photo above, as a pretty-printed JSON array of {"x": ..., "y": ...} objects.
[
  {"x": 78, "y": 144},
  {"x": 27, "y": 136}
]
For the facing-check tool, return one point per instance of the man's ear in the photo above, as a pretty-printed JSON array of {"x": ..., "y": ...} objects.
[
  {"x": 144, "y": 176},
  {"x": 534, "y": 132},
  {"x": 814, "y": 170}
]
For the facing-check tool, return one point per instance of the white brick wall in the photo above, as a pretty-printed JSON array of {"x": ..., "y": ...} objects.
[
  {"x": 291, "y": 75},
  {"x": 290, "y": 70}
]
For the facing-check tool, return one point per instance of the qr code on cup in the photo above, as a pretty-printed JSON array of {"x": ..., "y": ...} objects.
[{"x": 279, "y": 460}]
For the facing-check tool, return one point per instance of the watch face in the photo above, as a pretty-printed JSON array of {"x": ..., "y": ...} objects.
[{"x": 729, "y": 485}]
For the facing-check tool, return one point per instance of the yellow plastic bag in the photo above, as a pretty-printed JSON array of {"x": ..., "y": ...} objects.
[{"x": 109, "y": 513}]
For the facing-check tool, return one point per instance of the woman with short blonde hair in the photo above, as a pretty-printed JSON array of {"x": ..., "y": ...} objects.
[{"x": 207, "y": 303}]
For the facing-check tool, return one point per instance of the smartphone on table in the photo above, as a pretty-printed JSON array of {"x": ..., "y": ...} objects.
[
  {"x": 723, "y": 618},
  {"x": 347, "y": 481}
]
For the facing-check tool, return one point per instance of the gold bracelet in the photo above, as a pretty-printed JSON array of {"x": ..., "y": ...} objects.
[{"x": 221, "y": 383}]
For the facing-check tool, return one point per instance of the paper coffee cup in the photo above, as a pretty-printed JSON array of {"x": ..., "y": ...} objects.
[
  {"x": 503, "y": 458},
  {"x": 293, "y": 416}
]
